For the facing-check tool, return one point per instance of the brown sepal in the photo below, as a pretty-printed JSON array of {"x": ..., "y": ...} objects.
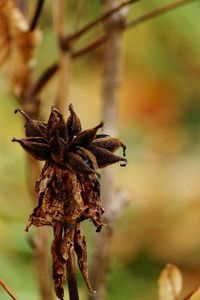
[
  {"x": 58, "y": 148},
  {"x": 56, "y": 124},
  {"x": 33, "y": 127},
  {"x": 86, "y": 137},
  {"x": 73, "y": 124},
  {"x": 77, "y": 164},
  {"x": 36, "y": 146},
  {"x": 105, "y": 158},
  {"x": 111, "y": 144},
  {"x": 88, "y": 157}
]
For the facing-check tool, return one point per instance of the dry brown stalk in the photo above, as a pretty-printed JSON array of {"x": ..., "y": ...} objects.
[
  {"x": 112, "y": 201},
  {"x": 53, "y": 68},
  {"x": 64, "y": 63},
  {"x": 157, "y": 12},
  {"x": 7, "y": 289}
]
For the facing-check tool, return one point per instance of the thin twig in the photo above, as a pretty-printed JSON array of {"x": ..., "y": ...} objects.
[
  {"x": 7, "y": 289},
  {"x": 95, "y": 22},
  {"x": 36, "y": 15},
  {"x": 52, "y": 69},
  {"x": 157, "y": 12},
  {"x": 64, "y": 56},
  {"x": 91, "y": 46}
]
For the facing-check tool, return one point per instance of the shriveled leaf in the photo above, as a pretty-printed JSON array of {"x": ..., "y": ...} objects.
[
  {"x": 17, "y": 45},
  {"x": 195, "y": 295},
  {"x": 170, "y": 283}
]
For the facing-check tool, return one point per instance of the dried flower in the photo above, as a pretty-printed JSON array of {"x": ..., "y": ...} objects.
[{"x": 68, "y": 188}]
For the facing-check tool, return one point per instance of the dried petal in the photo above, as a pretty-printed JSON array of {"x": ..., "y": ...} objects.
[
  {"x": 73, "y": 124},
  {"x": 81, "y": 251},
  {"x": 104, "y": 157},
  {"x": 59, "y": 264},
  {"x": 35, "y": 146},
  {"x": 58, "y": 149},
  {"x": 170, "y": 283},
  {"x": 18, "y": 45}
]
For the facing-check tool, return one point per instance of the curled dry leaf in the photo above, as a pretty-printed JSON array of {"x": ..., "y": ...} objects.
[
  {"x": 170, "y": 283},
  {"x": 195, "y": 295},
  {"x": 17, "y": 45},
  {"x": 68, "y": 188}
]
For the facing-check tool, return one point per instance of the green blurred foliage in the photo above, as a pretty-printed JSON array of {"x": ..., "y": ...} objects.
[{"x": 159, "y": 120}]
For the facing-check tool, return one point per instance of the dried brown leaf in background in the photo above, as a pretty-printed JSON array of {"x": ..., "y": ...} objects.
[
  {"x": 170, "y": 283},
  {"x": 17, "y": 45}
]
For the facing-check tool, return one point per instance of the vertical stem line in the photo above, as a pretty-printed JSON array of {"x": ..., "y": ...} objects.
[{"x": 110, "y": 85}]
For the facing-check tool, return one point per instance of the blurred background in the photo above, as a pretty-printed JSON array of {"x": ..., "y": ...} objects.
[{"x": 159, "y": 121}]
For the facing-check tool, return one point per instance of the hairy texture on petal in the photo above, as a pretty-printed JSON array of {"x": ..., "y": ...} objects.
[
  {"x": 17, "y": 45},
  {"x": 73, "y": 124},
  {"x": 105, "y": 157}
]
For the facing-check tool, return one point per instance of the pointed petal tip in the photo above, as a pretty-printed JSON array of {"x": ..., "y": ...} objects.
[
  {"x": 70, "y": 107},
  {"x": 15, "y": 140},
  {"x": 125, "y": 162},
  {"x": 16, "y": 110}
]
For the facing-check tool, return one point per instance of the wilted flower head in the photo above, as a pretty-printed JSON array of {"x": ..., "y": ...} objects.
[{"x": 68, "y": 188}]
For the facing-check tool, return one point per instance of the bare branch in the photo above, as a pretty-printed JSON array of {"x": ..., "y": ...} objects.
[
  {"x": 157, "y": 12},
  {"x": 36, "y": 15},
  {"x": 64, "y": 55},
  {"x": 95, "y": 22},
  {"x": 7, "y": 289},
  {"x": 113, "y": 207},
  {"x": 91, "y": 46},
  {"x": 51, "y": 71}
]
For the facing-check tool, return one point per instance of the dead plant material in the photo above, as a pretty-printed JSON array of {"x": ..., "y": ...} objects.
[
  {"x": 18, "y": 45},
  {"x": 68, "y": 188}
]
